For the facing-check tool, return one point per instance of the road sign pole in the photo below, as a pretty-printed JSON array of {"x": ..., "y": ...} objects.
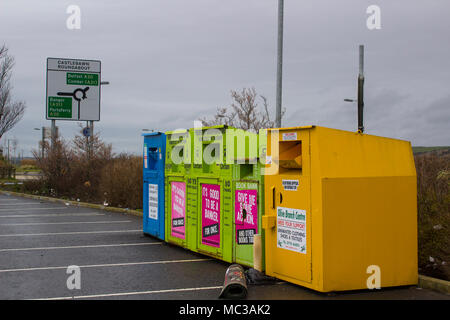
[
  {"x": 92, "y": 133},
  {"x": 43, "y": 142},
  {"x": 53, "y": 134},
  {"x": 88, "y": 151}
]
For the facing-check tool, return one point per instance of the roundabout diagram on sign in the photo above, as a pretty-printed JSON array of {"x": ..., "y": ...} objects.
[{"x": 78, "y": 94}]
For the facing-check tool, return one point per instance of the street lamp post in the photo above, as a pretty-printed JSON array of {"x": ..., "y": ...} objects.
[
  {"x": 360, "y": 100},
  {"x": 42, "y": 141},
  {"x": 9, "y": 154},
  {"x": 280, "y": 62},
  {"x": 361, "y": 90}
]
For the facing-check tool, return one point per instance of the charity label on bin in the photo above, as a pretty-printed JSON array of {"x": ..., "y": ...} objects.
[
  {"x": 246, "y": 216},
  {"x": 291, "y": 229},
  {"x": 290, "y": 185},
  {"x": 153, "y": 201},
  {"x": 211, "y": 215},
  {"x": 178, "y": 197}
]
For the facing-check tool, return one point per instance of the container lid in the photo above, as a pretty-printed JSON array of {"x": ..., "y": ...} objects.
[{"x": 151, "y": 133}]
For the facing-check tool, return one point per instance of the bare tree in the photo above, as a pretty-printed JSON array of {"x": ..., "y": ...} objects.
[
  {"x": 244, "y": 112},
  {"x": 91, "y": 148},
  {"x": 11, "y": 112}
]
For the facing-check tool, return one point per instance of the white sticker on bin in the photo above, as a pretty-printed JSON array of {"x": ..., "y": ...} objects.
[
  {"x": 153, "y": 201},
  {"x": 145, "y": 156},
  {"x": 289, "y": 136},
  {"x": 291, "y": 229}
]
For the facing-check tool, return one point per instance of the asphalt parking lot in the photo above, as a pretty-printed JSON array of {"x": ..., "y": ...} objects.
[{"x": 40, "y": 240}]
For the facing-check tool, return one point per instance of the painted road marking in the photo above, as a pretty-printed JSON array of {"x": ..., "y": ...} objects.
[
  {"x": 86, "y": 246},
  {"x": 50, "y": 223},
  {"x": 16, "y": 204},
  {"x": 26, "y": 209},
  {"x": 65, "y": 233},
  {"x": 132, "y": 293},
  {"x": 108, "y": 265},
  {"x": 53, "y": 215}
]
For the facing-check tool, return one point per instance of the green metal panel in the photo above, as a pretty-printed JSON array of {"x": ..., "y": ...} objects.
[
  {"x": 178, "y": 166},
  {"x": 192, "y": 212},
  {"x": 222, "y": 249},
  {"x": 179, "y": 148},
  {"x": 210, "y": 141}
]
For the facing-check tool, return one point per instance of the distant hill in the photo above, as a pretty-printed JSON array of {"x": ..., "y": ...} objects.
[{"x": 440, "y": 150}]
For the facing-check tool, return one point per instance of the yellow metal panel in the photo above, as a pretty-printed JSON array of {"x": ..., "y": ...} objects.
[
  {"x": 286, "y": 263},
  {"x": 369, "y": 222},
  {"x": 351, "y": 154}
]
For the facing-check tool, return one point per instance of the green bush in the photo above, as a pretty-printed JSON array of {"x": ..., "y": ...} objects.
[
  {"x": 121, "y": 182},
  {"x": 433, "y": 203},
  {"x": 88, "y": 173},
  {"x": 72, "y": 171}
]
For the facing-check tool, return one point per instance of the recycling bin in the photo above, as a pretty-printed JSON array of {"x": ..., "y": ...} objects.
[
  {"x": 153, "y": 178},
  {"x": 340, "y": 209},
  {"x": 229, "y": 192},
  {"x": 178, "y": 167},
  {"x": 212, "y": 204}
]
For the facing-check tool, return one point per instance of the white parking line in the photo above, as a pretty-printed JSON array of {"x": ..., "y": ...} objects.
[
  {"x": 132, "y": 293},
  {"x": 50, "y": 223},
  {"x": 53, "y": 215},
  {"x": 107, "y": 265},
  {"x": 15, "y": 204},
  {"x": 86, "y": 246},
  {"x": 26, "y": 209},
  {"x": 65, "y": 233}
]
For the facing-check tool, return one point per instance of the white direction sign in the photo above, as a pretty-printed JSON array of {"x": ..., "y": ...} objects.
[{"x": 73, "y": 89}]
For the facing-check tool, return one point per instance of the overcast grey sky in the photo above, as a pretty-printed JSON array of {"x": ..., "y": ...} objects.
[{"x": 170, "y": 62}]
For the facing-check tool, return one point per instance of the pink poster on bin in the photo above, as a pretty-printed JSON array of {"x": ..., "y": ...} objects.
[
  {"x": 211, "y": 215},
  {"x": 178, "y": 209},
  {"x": 246, "y": 216}
]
